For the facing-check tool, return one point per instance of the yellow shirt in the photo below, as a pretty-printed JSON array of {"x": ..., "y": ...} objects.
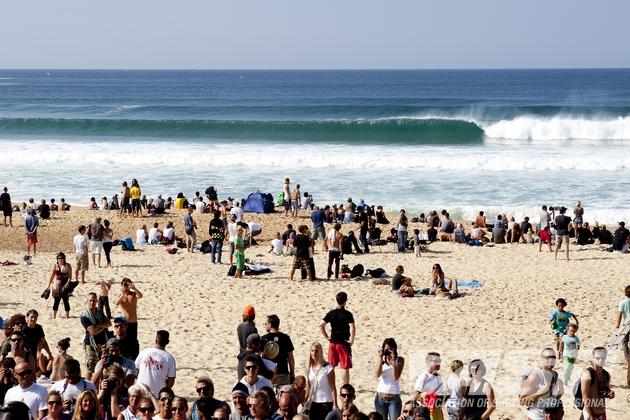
[
  {"x": 135, "y": 193},
  {"x": 179, "y": 203}
]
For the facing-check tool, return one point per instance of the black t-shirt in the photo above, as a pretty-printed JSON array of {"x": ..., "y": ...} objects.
[
  {"x": 44, "y": 211},
  {"x": 397, "y": 281},
  {"x": 525, "y": 227},
  {"x": 244, "y": 330},
  {"x": 5, "y": 201},
  {"x": 340, "y": 320},
  {"x": 286, "y": 347},
  {"x": 562, "y": 224},
  {"x": 33, "y": 336},
  {"x": 583, "y": 235},
  {"x": 100, "y": 338},
  {"x": 286, "y": 235},
  {"x": 302, "y": 243}
]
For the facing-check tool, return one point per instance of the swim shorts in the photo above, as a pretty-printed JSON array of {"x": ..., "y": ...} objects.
[
  {"x": 339, "y": 355},
  {"x": 82, "y": 262},
  {"x": 299, "y": 262},
  {"x": 96, "y": 247}
]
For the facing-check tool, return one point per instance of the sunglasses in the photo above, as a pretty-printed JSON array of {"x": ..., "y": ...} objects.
[
  {"x": 346, "y": 395},
  {"x": 250, "y": 367},
  {"x": 165, "y": 399},
  {"x": 54, "y": 402},
  {"x": 15, "y": 339},
  {"x": 251, "y": 405},
  {"x": 176, "y": 409},
  {"x": 203, "y": 388},
  {"x": 146, "y": 409},
  {"x": 24, "y": 373}
]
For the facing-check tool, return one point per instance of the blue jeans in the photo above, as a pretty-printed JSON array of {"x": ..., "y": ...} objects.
[
  {"x": 388, "y": 407},
  {"x": 364, "y": 241},
  {"x": 402, "y": 241},
  {"x": 215, "y": 248}
]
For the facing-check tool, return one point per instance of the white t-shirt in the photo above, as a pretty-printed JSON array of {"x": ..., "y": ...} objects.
[
  {"x": 168, "y": 232},
  {"x": 80, "y": 244},
  {"x": 624, "y": 308},
  {"x": 232, "y": 231},
  {"x": 200, "y": 206},
  {"x": 454, "y": 384},
  {"x": 155, "y": 366},
  {"x": 141, "y": 237},
  {"x": 153, "y": 235},
  {"x": 277, "y": 246},
  {"x": 254, "y": 227},
  {"x": 261, "y": 382},
  {"x": 238, "y": 212},
  {"x": 319, "y": 384},
  {"x": 72, "y": 391},
  {"x": 331, "y": 240},
  {"x": 427, "y": 382},
  {"x": 35, "y": 397}
]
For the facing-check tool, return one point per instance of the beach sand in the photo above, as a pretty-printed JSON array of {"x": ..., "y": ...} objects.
[{"x": 504, "y": 322}]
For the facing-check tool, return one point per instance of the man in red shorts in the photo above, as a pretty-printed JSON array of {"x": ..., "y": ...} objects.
[
  {"x": 341, "y": 339},
  {"x": 544, "y": 236}
]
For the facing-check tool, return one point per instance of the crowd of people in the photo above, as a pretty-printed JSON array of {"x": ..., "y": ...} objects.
[{"x": 118, "y": 380}]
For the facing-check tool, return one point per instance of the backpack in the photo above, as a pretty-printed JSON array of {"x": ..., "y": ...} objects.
[
  {"x": 577, "y": 387},
  {"x": 357, "y": 271},
  {"x": 127, "y": 244},
  {"x": 232, "y": 271}
]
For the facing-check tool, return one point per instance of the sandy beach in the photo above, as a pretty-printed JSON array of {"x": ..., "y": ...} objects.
[{"x": 504, "y": 322}]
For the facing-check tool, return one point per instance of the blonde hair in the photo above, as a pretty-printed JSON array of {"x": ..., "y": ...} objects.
[
  {"x": 456, "y": 365},
  {"x": 78, "y": 410},
  {"x": 311, "y": 362}
]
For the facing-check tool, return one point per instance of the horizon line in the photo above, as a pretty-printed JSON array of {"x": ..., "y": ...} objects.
[{"x": 312, "y": 69}]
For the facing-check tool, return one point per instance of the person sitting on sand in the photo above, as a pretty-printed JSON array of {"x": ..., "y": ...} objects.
[
  {"x": 92, "y": 204},
  {"x": 142, "y": 235},
  {"x": 155, "y": 234},
  {"x": 64, "y": 206},
  {"x": 44, "y": 210},
  {"x": 478, "y": 236},
  {"x": 159, "y": 205},
  {"x": 380, "y": 216},
  {"x": 113, "y": 203},
  {"x": 439, "y": 288},
  {"x": 583, "y": 234},
  {"x": 514, "y": 232},
  {"x": 481, "y": 220},
  {"x": 459, "y": 235},
  {"x": 498, "y": 231},
  {"x": 104, "y": 203},
  {"x": 620, "y": 238},
  {"x": 53, "y": 205},
  {"x": 169, "y": 233},
  {"x": 276, "y": 245}
]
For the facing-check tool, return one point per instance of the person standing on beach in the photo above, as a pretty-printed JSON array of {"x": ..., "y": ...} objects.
[
  {"x": 189, "y": 227},
  {"x": 125, "y": 193},
  {"x": 136, "y": 193},
  {"x": 578, "y": 213},
  {"x": 287, "y": 196},
  {"x": 30, "y": 227},
  {"x": 595, "y": 387},
  {"x": 295, "y": 201},
  {"x": 562, "y": 230},
  {"x": 156, "y": 366},
  {"x": 301, "y": 260},
  {"x": 80, "y": 242},
  {"x": 341, "y": 338},
  {"x": 285, "y": 363},
  {"x": 127, "y": 301},
  {"x": 318, "y": 217},
  {"x": 95, "y": 234},
  {"x": 239, "y": 246},
  {"x": 623, "y": 317},
  {"x": 332, "y": 244},
  {"x": 401, "y": 231},
  {"x": 217, "y": 235},
  {"x": 96, "y": 324},
  {"x": 7, "y": 209},
  {"x": 544, "y": 219},
  {"x": 108, "y": 241}
]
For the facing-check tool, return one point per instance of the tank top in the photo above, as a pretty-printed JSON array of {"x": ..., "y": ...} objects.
[
  {"x": 475, "y": 402},
  {"x": 61, "y": 277},
  {"x": 387, "y": 384}
]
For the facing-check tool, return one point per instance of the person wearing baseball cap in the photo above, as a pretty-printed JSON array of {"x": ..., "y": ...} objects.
[
  {"x": 240, "y": 393},
  {"x": 112, "y": 356},
  {"x": 247, "y": 327}
]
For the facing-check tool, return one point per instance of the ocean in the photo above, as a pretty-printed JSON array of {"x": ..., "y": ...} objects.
[{"x": 464, "y": 140}]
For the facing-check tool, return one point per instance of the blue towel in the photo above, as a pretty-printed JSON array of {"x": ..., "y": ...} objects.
[{"x": 472, "y": 283}]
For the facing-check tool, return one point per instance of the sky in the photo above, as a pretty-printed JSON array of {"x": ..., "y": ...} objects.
[{"x": 322, "y": 34}]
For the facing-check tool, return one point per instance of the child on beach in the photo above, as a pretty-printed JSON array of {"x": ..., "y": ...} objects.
[
  {"x": 103, "y": 296},
  {"x": 559, "y": 320},
  {"x": 571, "y": 346},
  {"x": 276, "y": 245},
  {"x": 416, "y": 242},
  {"x": 239, "y": 253}
]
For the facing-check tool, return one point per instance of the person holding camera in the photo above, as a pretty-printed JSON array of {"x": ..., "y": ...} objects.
[
  {"x": 113, "y": 395},
  {"x": 389, "y": 367},
  {"x": 73, "y": 385},
  {"x": 7, "y": 380},
  {"x": 112, "y": 356}
]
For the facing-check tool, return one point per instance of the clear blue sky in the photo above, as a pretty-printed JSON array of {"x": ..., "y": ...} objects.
[{"x": 300, "y": 34}]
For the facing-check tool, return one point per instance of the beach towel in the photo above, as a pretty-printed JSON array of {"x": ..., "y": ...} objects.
[
  {"x": 471, "y": 283},
  {"x": 254, "y": 269}
]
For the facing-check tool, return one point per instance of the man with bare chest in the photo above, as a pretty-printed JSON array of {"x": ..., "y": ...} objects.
[{"x": 128, "y": 303}]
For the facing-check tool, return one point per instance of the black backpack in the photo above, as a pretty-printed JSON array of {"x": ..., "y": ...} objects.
[{"x": 577, "y": 387}]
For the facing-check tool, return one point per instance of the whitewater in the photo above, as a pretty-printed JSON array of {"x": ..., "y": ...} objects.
[{"x": 500, "y": 141}]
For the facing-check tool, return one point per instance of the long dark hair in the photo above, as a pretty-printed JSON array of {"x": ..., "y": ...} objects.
[
  {"x": 439, "y": 269},
  {"x": 392, "y": 344}
]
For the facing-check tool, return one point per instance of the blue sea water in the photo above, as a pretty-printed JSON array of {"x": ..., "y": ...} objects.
[{"x": 499, "y": 140}]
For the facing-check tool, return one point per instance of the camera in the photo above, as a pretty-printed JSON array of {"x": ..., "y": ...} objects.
[
  {"x": 112, "y": 383},
  {"x": 387, "y": 353}
]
